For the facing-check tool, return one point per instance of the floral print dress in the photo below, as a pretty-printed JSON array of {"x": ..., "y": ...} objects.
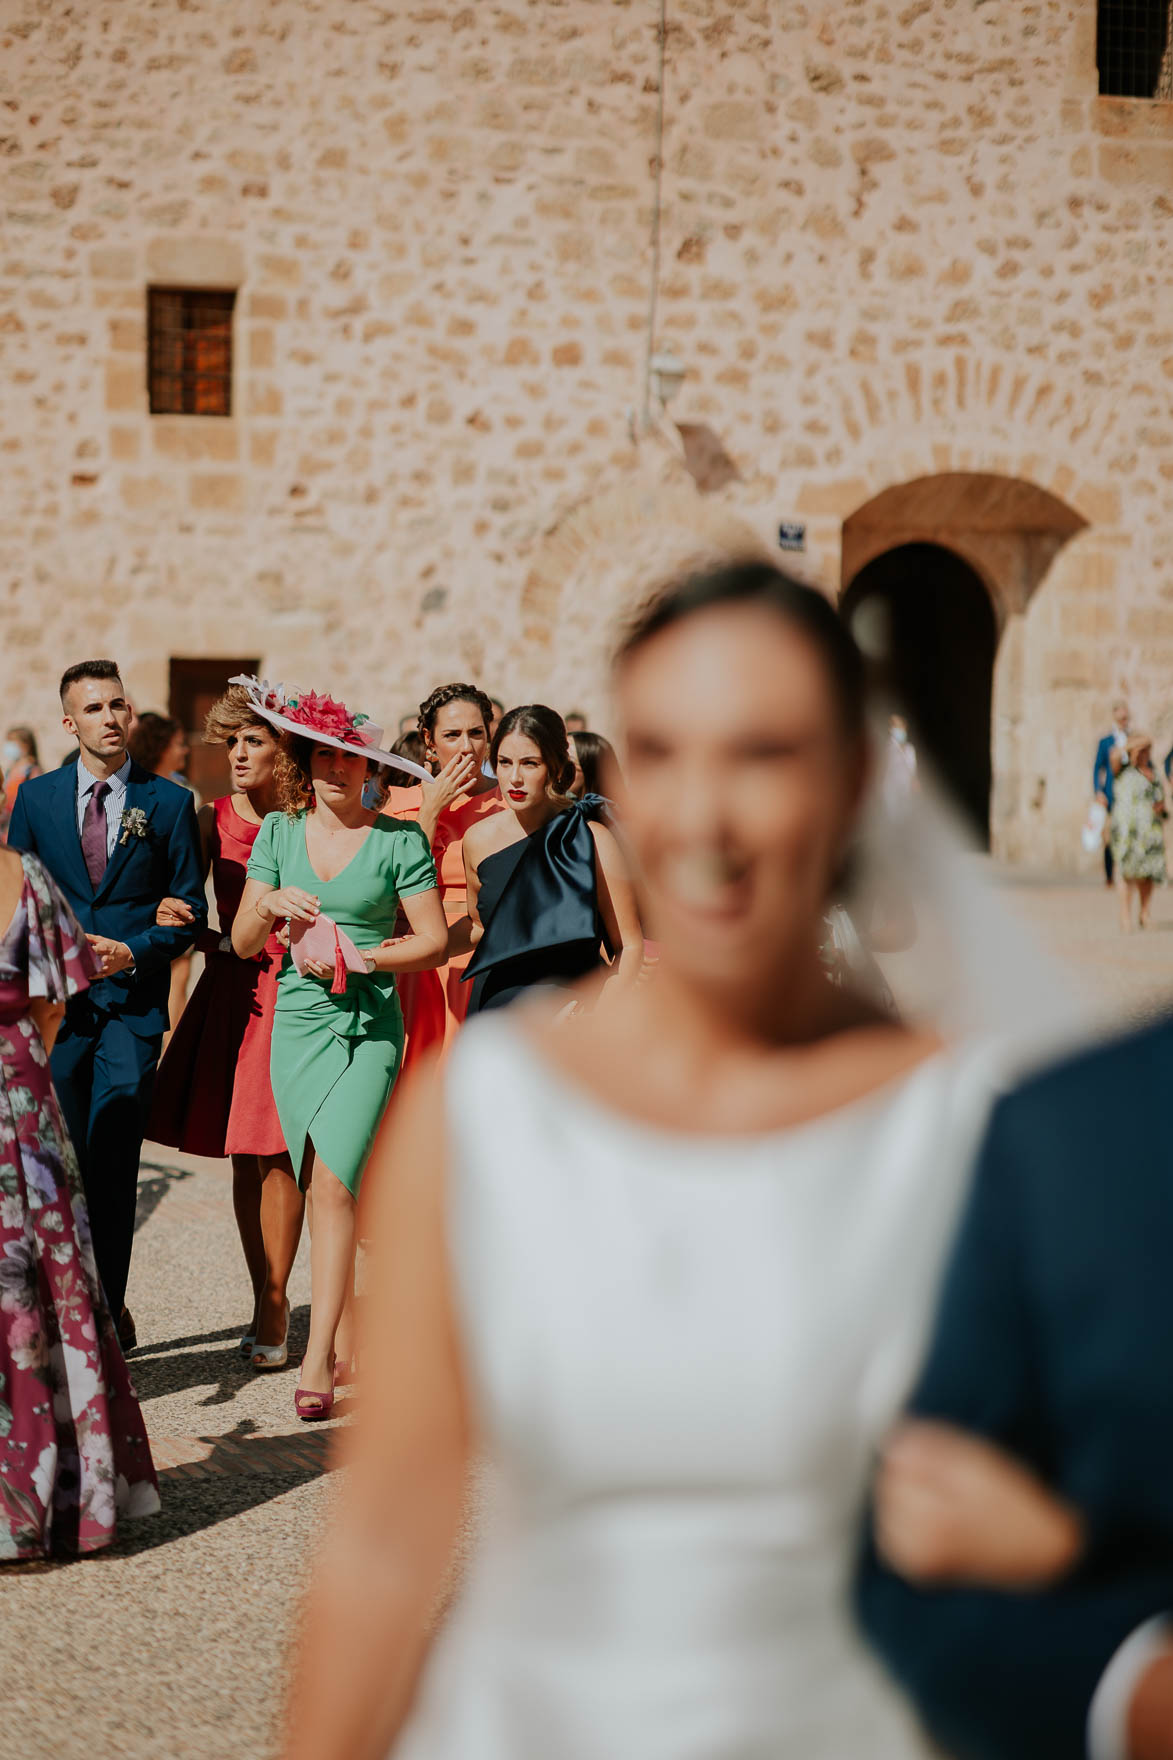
[
  {"x": 73, "y": 1448},
  {"x": 1138, "y": 831}
]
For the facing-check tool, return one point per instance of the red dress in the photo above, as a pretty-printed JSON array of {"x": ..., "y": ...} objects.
[{"x": 213, "y": 1095}]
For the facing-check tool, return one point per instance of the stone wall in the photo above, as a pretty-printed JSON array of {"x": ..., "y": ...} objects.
[{"x": 899, "y": 241}]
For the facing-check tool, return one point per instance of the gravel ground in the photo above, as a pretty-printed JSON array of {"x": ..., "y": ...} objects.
[{"x": 172, "y": 1644}]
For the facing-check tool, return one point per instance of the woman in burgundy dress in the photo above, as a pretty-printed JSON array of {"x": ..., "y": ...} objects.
[
  {"x": 74, "y": 1454},
  {"x": 213, "y": 1094}
]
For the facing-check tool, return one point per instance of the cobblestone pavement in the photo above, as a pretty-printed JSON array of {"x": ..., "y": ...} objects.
[{"x": 172, "y": 1645}]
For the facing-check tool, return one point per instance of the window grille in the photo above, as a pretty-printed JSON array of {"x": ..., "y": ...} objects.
[
  {"x": 1133, "y": 49},
  {"x": 189, "y": 350}
]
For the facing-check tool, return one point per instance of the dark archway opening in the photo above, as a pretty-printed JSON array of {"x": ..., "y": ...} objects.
[{"x": 929, "y": 614}]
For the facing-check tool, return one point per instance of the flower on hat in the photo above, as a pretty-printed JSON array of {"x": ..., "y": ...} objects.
[{"x": 321, "y": 714}]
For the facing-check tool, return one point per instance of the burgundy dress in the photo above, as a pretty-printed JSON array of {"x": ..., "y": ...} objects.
[
  {"x": 213, "y": 1095},
  {"x": 74, "y": 1454}
]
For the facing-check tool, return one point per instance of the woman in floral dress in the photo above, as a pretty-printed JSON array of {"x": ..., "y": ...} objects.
[
  {"x": 73, "y": 1448},
  {"x": 1138, "y": 828}
]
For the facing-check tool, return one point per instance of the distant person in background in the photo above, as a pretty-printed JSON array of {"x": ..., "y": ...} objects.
[
  {"x": 159, "y": 744},
  {"x": 901, "y": 769},
  {"x": 498, "y": 708},
  {"x": 1103, "y": 776},
  {"x": 20, "y": 761},
  {"x": 596, "y": 768},
  {"x": 1138, "y": 828},
  {"x": 575, "y": 721}
]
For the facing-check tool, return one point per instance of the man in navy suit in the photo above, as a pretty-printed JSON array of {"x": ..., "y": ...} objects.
[
  {"x": 117, "y": 840},
  {"x": 1054, "y": 1340},
  {"x": 1103, "y": 775}
]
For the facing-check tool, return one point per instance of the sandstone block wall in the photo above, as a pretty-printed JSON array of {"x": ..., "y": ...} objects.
[{"x": 899, "y": 241}]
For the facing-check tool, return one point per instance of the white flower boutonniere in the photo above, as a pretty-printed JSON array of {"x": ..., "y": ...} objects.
[{"x": 134, "y": 824}]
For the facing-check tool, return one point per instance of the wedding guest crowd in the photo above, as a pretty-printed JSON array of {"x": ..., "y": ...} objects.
[{"x": 632, "y": 1238}]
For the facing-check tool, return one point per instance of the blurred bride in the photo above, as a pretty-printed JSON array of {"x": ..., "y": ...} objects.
[{"x": 669, "y": 1269}]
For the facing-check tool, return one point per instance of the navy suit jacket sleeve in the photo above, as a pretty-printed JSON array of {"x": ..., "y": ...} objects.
[
  {"x": 1101, "y": 770},
  {"x": 1000, "y": 1676},
  {"x": 156, "y": 947}
]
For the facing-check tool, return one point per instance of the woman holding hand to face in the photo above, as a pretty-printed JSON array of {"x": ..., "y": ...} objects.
[
  {"x": 337, "y": 1037},
  {"x": 454, "y": 727}
]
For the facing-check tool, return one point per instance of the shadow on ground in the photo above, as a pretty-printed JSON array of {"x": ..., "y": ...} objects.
[
  {"x": 161, "y": 1369},
  {"x": 153, "y": 1190}
]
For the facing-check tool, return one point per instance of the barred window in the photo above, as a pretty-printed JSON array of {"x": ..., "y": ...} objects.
[
  {"x": 1133, "y": 49},
  {"x": 189, "y": 350}
]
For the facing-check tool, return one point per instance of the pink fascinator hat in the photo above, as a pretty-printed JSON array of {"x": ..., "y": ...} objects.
[{"x": 324, "y": 721}]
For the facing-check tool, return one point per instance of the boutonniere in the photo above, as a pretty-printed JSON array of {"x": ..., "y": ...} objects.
[{"x": 134, "y": 824}]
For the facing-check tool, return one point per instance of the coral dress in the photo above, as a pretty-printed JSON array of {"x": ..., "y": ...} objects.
[
  {"x": 74, "y": 1454},
  {"x": 213, "y": 1093},
  {"x": 435, "y": 1004}
]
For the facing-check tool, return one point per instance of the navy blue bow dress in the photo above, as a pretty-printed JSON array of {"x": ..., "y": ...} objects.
[{"x": 538, "y": 905}]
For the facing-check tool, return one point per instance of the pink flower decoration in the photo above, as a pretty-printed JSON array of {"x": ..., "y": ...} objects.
[{"x": 323, "y": 715}]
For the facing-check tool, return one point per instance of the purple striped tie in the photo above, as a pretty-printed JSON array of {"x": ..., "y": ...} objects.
[{"x": 93, "y": 835}]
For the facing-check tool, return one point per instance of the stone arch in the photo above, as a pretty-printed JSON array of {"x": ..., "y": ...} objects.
[
  {"x": 1007, "y": 532},
  {"x": 596, "y": 564}
]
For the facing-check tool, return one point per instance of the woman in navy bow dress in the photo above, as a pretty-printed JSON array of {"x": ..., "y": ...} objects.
[{"x": 549, "y": 893}]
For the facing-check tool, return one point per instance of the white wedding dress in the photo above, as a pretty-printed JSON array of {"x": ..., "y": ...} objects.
[{"x": 683, "y": 1352}]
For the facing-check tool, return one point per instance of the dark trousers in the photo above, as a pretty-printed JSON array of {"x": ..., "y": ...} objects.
[
  {"x": 103, "y": 1074},
  {"x": 1109, "y": 864}
]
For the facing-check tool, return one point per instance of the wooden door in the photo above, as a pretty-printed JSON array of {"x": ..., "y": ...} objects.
[{"x": 195, "y": 686}]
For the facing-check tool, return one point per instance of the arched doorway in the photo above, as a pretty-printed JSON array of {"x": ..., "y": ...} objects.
[{"x": 930, "y": 615}]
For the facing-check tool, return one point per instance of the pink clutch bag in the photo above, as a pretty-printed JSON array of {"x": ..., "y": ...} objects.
[{"x": 324, "y": 941}]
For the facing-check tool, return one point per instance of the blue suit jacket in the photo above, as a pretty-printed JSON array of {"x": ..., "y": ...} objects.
[
  {"x": 141, "y": 871},
  {"x": 1103, "y": 781},
  {"x": 1055, "y": 1339}
]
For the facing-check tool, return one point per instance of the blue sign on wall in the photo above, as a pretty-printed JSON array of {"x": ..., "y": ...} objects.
[{"x": 792, "y": 535}]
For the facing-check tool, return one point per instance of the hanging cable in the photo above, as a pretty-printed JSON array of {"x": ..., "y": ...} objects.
[{"x": 657, "y": 187}]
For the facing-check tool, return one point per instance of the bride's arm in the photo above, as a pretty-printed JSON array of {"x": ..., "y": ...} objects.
[{"x": 383, "y": 1566}]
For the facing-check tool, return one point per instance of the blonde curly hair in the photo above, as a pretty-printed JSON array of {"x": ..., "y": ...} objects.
[{"x": 291, "y": 774}]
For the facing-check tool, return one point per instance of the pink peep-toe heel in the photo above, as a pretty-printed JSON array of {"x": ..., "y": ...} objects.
[{"x": 312, "y": 1407}]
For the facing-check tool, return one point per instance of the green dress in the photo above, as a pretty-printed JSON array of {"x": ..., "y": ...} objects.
[{"x": 335, "y": 1058}]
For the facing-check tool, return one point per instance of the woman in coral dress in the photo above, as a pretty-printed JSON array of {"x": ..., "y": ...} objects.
[
  {"x": 454, "y": 725},
  {"x": 74, "y": 1454},
  {"x": 213, "y": 1093}
]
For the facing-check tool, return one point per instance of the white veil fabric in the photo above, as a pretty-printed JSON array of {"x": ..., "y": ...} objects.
[{"x": 959, "y": 961}]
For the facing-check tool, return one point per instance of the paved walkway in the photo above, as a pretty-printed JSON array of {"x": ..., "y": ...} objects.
[{"x": 173, "y": 1644}]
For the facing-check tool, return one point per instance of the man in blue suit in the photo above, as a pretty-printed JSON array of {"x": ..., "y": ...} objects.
[
  {"x": 117, "y": 840},
  {"x": 1054, "y": 1340},
  {"x": 1103, "y": 775}
]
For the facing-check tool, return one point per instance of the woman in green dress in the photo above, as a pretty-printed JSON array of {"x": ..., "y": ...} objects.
[
  {"x": 337, "y": 1037},
  {"x": 1138, "y": 828}
]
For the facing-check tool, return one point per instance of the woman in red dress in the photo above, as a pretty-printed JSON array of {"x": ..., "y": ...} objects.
[
  {"x": 454, "y": 726},
  {"x": 213, "y": 1094}
]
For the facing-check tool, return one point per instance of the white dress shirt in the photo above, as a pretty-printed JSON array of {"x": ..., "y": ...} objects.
[{"x": 114, "y": 803}]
